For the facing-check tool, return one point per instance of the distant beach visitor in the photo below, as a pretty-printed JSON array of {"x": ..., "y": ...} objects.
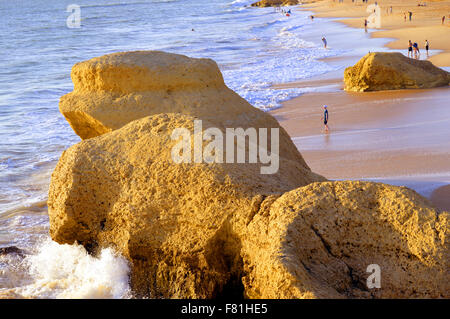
[
  {"x": 410, "y": 53},
  {"x": 365, "y": 24},
  {"x": 410, "y": 15},
  {"x": 416, "y": 50},
  {"x": 443, "y": 19},
  {"x": 325, "y": 117},
  {"x": 427, "y": 46},
  {"x": 324, "y": 42}
]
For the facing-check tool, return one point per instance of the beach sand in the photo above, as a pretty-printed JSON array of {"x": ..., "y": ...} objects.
[
  {"x": 425, "y": 24},
  {"x": 398, "y": 137},
  {"x": 376, "y": 134}
]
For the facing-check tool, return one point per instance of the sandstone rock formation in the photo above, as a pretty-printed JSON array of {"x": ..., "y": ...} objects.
[
  {"x": 317, "y": 242},
  {"x": 391, "y": 71},
  {"x": 204, "y": 230},
  {"x": 275, "y": 3},
  {"x": 181, "y": 225},
  {"x": 113, "y": 90},
  {"x": 194, "y": 230}
]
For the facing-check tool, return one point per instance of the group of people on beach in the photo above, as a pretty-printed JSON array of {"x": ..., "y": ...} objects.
[
  {"x": 413, "y": 49},
  {"x": 409, "y": 14}
]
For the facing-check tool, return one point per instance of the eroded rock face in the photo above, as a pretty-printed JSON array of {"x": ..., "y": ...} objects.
[
  {"x": 113, "y": 90},
  {"x": 392, "y": 71},
  {"x": 180, "y": 225},
  {"x": 317, "y": 242},
  {"x": 275, "y": 3}
]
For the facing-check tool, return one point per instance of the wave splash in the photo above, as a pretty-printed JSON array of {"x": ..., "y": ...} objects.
[{"x": 64, "y": 271}]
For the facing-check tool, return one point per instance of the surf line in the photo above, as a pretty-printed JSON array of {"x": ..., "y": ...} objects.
[{"x": 193, "y": 309}]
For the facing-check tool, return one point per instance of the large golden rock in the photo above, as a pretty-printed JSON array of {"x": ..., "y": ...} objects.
[
  {"x": 391, "y": 71},
  {"x": 115, "y": 89},
  {"x": 180, "y": 225},
  {"x": 318, "y": 241}
]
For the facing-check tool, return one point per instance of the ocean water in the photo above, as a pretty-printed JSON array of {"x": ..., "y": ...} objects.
[{"x": 254, "y": 47}]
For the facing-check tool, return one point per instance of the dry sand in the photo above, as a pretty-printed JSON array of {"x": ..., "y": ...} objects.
[{"x": 399, "y": 137}]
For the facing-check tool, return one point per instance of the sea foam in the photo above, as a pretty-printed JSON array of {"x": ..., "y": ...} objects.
[{"x": 65, "y": 271}]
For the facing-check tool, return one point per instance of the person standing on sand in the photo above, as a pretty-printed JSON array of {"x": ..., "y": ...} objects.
[
  {"x": 416, "y": 51},
  {"x": 404, "y": 16},
  {"x": 324, "y": 42},
  {"x": 365, "y": 24},
  {"x": 410, "y": 15},
  {"x": 410, "y": 45},
  {"x": 427, "y": 46},
  {"x": 443, "y": 19},
  {"x": 325, "y": 118}
]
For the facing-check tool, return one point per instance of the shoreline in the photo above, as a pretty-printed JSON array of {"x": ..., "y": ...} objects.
[
  {"x": 425, "y": 23},
  {"x": 384, "y": 136}
]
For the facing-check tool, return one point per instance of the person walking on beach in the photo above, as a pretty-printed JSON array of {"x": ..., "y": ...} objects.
[
  {"x": 410, "y": 49},
  {"x": 324, "y": 42},
  {"x": 427, "y": 46},
  {"x": 410, "y": 15},
  {"x": 443, "y": 19},
  {"x": 404, "y": 16},
  {"x": 325, "y": 118},
  {"x": 365, "y": 24},
  {"x": 416, "y": 50}
]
